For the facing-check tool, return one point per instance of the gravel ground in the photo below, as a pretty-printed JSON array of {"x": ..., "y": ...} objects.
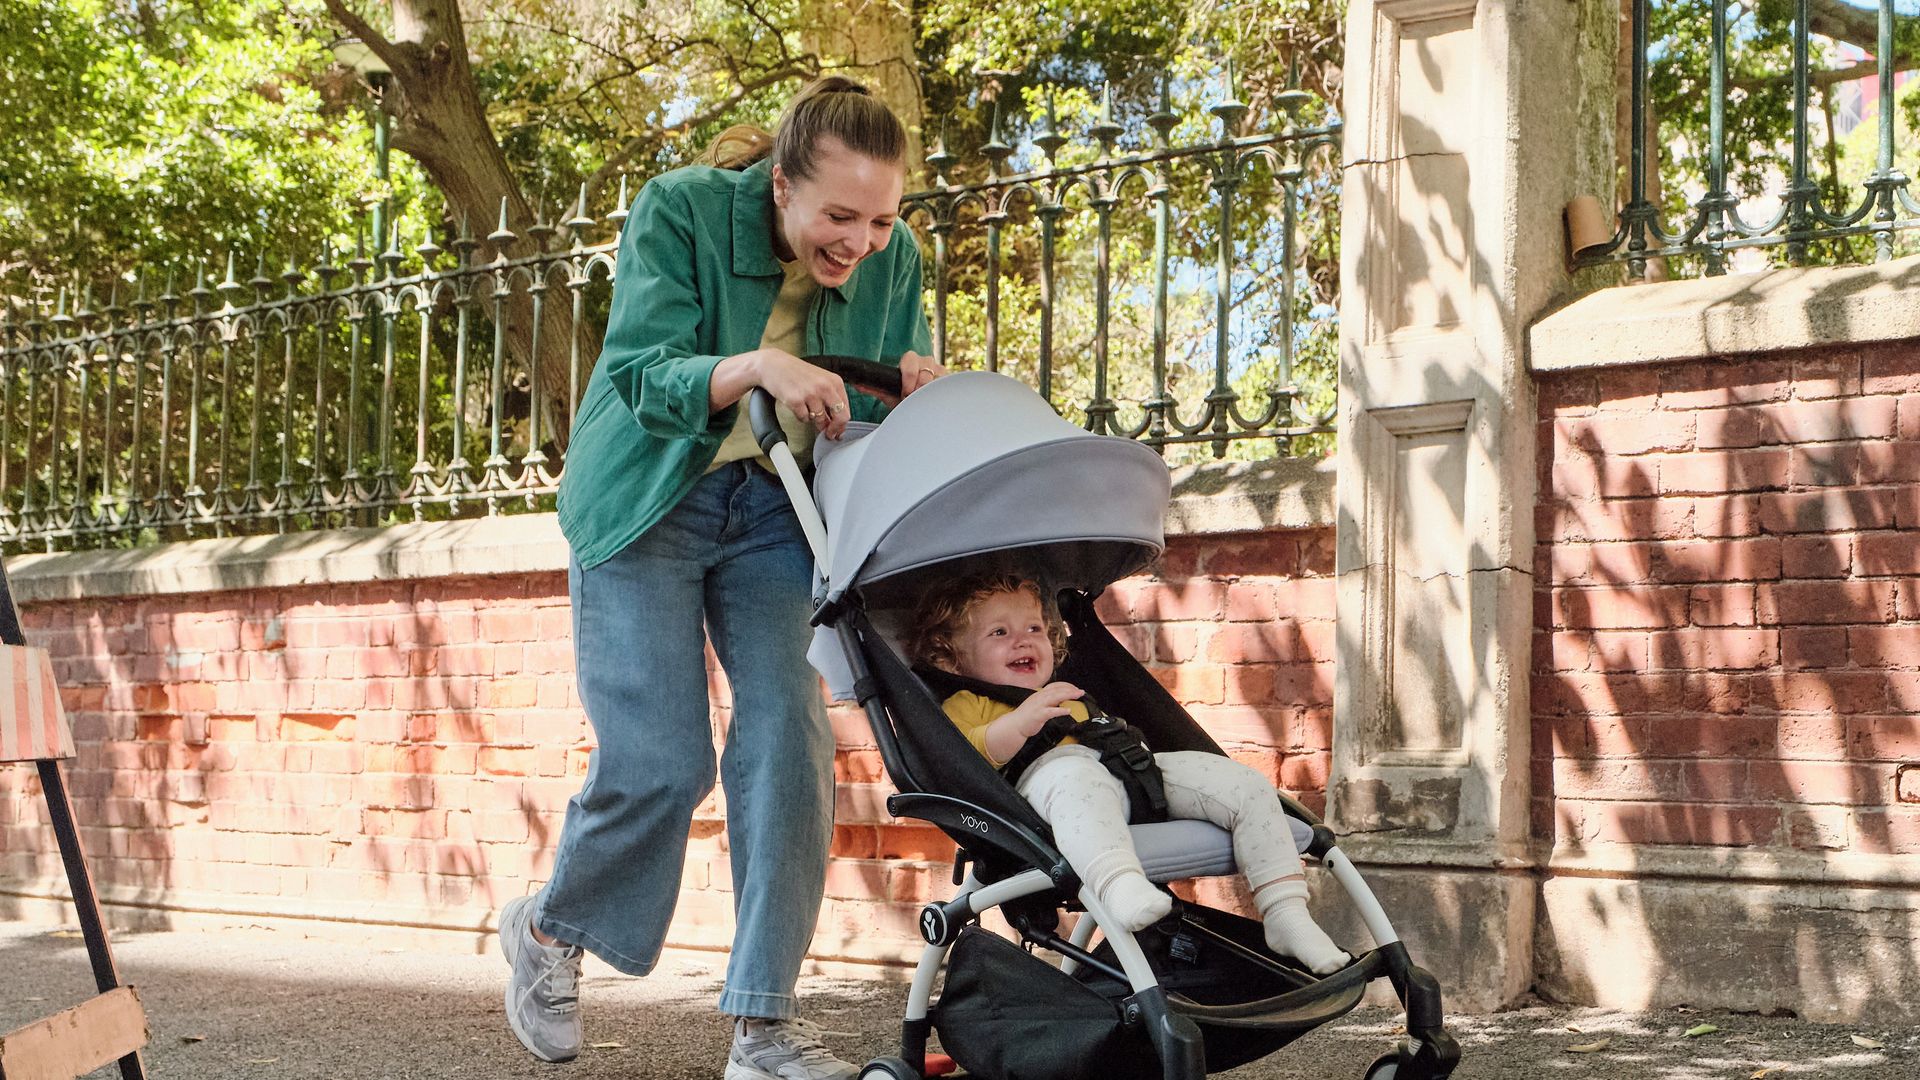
[{"x": 265, "y": 1004}]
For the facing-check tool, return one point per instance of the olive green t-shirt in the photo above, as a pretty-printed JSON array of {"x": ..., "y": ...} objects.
[{"x": 786, "y": 329}]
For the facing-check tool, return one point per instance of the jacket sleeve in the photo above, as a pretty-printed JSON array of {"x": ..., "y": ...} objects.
[
  {"x": 651, "y": 350},
  {"x": 906, "y": 317}
]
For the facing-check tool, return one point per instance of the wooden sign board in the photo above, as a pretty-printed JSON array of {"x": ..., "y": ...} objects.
[
  {"x": 76, "y": 1042},
  {"x": 33, "y": 727}
]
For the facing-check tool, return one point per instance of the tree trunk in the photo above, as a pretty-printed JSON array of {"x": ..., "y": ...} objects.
[
  {"x": 441, "y": 122},
  {"x": 873, "y": 41}
]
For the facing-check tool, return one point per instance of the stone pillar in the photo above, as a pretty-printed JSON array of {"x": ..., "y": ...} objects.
[{"x": 1463, "y": 127}]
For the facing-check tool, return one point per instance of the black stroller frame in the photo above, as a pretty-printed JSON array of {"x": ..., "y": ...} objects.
[{"x": 1006, "y": 859}]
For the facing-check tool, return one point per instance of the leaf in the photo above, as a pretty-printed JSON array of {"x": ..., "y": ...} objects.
[
  {"x": 1575, "y": 1030},
  {"x": 1762, "y": 1074},
  {"x": 1698, "y": 1030},
  {"x": 1589, "y": 1048},
  {"x": 1871, "y": 1044},
  {"x": 193, "y": 1038},
  {"x": 262, "y": 1061},
  {"x": 608, "y": 1045}
]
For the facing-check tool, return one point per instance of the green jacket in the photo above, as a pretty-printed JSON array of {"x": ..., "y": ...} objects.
[{"x": 697, "y": 278}]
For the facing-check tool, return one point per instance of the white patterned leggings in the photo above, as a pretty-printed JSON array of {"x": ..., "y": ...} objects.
[{"x": 1087, "y": 808}]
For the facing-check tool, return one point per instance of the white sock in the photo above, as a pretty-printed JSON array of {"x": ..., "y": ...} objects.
[
  {"x": 1291, "y": 931},
  {"x": 1132, "y": 900}
]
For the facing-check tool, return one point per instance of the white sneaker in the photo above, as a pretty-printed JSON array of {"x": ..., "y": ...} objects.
[
  {"x": 782, "y": 1050},
  {"x": 543, "y": 991}
]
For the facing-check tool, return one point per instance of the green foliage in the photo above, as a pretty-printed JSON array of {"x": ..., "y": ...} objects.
[{"x": 160, "y": 137}]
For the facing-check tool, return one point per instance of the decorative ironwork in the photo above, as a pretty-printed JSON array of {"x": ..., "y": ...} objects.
[
  {"x": 281, "y": 402},
  {"x": 1887, "y": 204}
]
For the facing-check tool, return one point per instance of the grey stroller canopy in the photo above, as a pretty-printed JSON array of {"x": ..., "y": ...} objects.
[{"x": 977, "y": 464}]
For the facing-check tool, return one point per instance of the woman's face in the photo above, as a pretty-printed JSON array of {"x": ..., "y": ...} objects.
[{"x": 839, "y": 215}]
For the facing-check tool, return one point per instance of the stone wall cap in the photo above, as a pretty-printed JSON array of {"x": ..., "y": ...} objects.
[
  {"x": 1216, "y": 497},
  {"x": 1771, "y": 311}
]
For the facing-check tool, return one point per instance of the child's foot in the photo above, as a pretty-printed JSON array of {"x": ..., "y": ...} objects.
[
  {"x": 1292, "y": 932},
  {"x": 1134, "y": 901}
]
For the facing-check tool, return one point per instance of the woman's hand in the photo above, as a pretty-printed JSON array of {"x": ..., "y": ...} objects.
[
  {"x": 811, "y": 394},
  {"x": 917, "y": 371}
]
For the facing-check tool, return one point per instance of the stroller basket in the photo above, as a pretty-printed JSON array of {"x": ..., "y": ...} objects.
[{"x": 1007, "y": 1015}]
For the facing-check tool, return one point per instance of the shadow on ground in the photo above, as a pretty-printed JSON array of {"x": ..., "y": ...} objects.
[{"x": 261, "y": 1004}]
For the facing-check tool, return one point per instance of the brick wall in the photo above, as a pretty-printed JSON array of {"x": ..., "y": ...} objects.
[
  {"x": 403, "y": 752},
  {"x": 1727, "y": 648}
]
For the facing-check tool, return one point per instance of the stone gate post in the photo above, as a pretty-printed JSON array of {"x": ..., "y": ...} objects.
[{"x": 1465, "y": 128}]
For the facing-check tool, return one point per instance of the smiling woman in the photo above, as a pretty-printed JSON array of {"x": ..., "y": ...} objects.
[{"x": 727, "y": 276}]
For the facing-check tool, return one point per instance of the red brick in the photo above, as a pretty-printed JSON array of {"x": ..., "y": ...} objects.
[
  {"x": 1568, "y": 392},
  {"x": 1718, "y": 560},
  {"x": 1892, "y": 831},
  {"x": 1713, "y": 648},
  {"x": 1802, "y": 648},
  {"x": 1816, "y": 556},
  {"x": 1619, "y": 608},
  {"x": 1825, "y": 464},
  {"x": 1883, "y": 738},
  {"x": 1790, "y": 603},
  {"x": 1713, "y": 384},
  {"x": 1819, "y": 828},
  {"x": 1820, "y": 691},
  {"x": 1819, "y": 737},
  {"x": 1827, "y": 511},
  {"x": 1891, "y": 371},
  {"x": 1716, "y": 472},
  {"x": 1826, "y": 375},
  {"x": 1823, "y": 782},
  {"x": 1631, "y": 390},
  {"x": 1896, "y": 553},
  {"x": 1889, "y": 462},
  {"x": 1689, "y": 823},
  {"x": 1910, "y": 416},
  {"x": 1249, "y": 554},
  {"x": 1627, "y": 435},
  {"x": 1618, "y": 778},
  {"x": 1885, "y": 646},
  {"x": 1704, "y": 735},
  {"x": 1579, "y": 476},
  {"x": 1907, "y": 784},
  {"x": 1737, "y": 515},
  {"x": 1721, "y": 605}
]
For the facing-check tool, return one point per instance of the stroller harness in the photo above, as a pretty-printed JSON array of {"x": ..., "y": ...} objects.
[{"x": 1120, "y": 745}]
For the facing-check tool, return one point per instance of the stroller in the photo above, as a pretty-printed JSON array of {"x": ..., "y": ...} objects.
[{"x": 951, "y": 484}]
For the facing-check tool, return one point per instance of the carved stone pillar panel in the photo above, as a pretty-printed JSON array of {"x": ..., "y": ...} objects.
[{"x": 1460, "y": 151}]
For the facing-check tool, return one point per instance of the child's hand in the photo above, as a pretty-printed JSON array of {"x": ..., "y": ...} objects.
[
  {"x": 1045, "y": 703},
  {"x": 1004, "y": 736}
]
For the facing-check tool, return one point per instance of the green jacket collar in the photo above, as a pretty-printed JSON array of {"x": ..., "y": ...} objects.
[{"x": 753, "y": 229}]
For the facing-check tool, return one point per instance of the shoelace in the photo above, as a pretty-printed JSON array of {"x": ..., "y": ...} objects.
[
  {"x": 563, "y": 983},
  {"x": 803, "y": 1037}
]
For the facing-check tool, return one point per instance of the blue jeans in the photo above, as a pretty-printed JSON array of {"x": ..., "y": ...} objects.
[{"x": 730, "y": 555}]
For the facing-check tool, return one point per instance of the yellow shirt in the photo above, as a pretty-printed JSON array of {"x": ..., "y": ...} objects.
[
  {"x": 786, "y": 329},
  {"x": 971, "y": 713}
]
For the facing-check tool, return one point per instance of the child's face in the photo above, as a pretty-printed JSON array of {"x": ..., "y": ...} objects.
[{"x": 1005, "y": 640}]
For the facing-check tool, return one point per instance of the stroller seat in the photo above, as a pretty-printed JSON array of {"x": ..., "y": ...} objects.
[{"x": 1180, "y": 849}]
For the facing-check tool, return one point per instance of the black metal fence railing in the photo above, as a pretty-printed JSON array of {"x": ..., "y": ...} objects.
[
  {"x": 1149, "y": 291},
  {"x": 1760, "y": 77}
]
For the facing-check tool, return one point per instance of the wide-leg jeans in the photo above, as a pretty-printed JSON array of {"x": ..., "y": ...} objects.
[{"x": 729, "y": 558}]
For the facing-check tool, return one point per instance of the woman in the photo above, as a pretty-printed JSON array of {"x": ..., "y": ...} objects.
[{"x": 725, "y": 278}]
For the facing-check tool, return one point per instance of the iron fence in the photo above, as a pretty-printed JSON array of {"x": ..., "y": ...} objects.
[
  {"x": 286, "y": 401},
  {"x": 1811, "y": 209}
]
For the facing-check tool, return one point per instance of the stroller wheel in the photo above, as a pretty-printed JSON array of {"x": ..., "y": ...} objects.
[
  {"x": 1384, "y": 1067},
  {"x": 888, "y": 1068}
]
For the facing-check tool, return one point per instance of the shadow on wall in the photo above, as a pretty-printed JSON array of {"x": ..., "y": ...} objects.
[{"x": 1724, "y": 685}]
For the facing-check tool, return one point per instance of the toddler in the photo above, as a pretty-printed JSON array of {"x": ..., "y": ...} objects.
[{"x": 998, "y": 630}]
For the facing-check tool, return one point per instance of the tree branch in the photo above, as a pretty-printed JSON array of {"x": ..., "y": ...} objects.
[
  {"x": 654, "y": 135},
  {"x": 389, "y": 53}
]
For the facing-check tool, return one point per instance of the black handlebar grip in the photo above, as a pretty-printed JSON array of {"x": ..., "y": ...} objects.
[
  {"x": 766, "y": 423},
  {"x": 882, "y": 377}
]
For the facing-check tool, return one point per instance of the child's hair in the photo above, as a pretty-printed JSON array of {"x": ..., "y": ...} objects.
[
  {"x": 834, "y": 105},
  {"x": 943, "y": 612}
]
